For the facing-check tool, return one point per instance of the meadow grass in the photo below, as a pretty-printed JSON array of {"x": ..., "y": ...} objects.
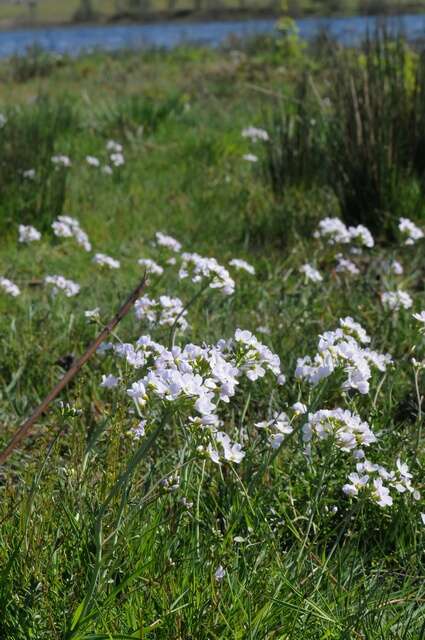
[{"x": 97, "y": 541}]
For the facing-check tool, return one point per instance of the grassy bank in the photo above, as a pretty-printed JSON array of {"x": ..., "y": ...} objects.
[
  {"x": 51, "y": 12},
  {"x": 109, "y": 532}
]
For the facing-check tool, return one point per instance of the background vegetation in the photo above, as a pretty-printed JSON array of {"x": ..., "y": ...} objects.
[{"x": 67, "y": 11}]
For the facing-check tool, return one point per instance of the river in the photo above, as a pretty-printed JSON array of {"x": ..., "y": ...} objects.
[{"x": 75, "y": 39}]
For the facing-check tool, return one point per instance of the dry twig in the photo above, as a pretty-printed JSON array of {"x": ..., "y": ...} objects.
[{"x": 72, "y": 372}]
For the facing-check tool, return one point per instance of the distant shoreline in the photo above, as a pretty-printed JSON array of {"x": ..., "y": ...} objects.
[{"x": 194, "y": 16}]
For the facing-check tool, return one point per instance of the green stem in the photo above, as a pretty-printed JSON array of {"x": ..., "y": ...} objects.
[{"x": 183, "y": 311}]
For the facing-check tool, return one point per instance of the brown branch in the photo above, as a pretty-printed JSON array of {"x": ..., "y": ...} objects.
[{"x": 72, "y": 372}]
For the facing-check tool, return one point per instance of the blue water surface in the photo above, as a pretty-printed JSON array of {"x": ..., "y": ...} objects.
[{"x": 75, "y": 39}]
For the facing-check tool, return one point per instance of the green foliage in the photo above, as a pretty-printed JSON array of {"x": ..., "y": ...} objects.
[
  {"x": 30, "y": 137},
  {"x": 135, "y": 115},
  {"x": 36, "y": 63}
]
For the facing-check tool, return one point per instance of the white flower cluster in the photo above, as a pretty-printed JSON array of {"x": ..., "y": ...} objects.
[
  {"x": 396, "y": 300},
  {"x": 116, "y": 158},
  {"x": 346, "y": 429},
  {"x": 106, "y": 261},
  {"x": 255, "y": 134},
  {"x": 9, "y": 287},
  {"x": 396, "y": 268},
  {"x": 163, "y": 240},
  {"x": 370, "y": 478},
  {"x": 29, "y": 174},
  {"x": 60, "y": 283},
  {"x": 334, "y": 231},
  {"x": 199, "y": 379},
  {"x": 342, "y": 350},
  {"x": 137, "y": 357},
  {"x": 199, "y": 268},
  {"x": 277, "y": 428},
  {"x": 344, "y": 265},
  {"x": 410, "y": 232},
  {"x": 151, "y": 266},
  {"x": 116, "y": 155},
  {"x": 28, "y": 234},
  {"x": 250, "y": 157},
  {"x": 163, "y": 312},
  {"x": 67, "y": 227},
  {"x": 254, "y": 358},
  {"x": 92, "y": 314},
  {"x": 311, "y": 273},
  {"x": 109, "y": 381},
  {"x": 92, "y": 161},
  {"x": 61, "y": 160},
  {"x": 240, "y": 264}
]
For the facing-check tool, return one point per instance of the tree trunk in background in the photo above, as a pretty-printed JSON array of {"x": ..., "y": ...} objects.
[
  {"x": 144, "y": 6},
  {"x": 141, "y": 7},
  {"x": 85, "y": 10},
  {"x": 32, "y": 8}
]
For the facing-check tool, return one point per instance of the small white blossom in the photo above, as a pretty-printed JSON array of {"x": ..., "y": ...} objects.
[
  {"x": 300, "y": 408},
  {"x": 113, "y": 146},
  {"x": 151, "y": 266},
  {"x": 62, "y": 160},
  {"x": 60, "y": 283},
  {"x": 278, "y": 427},
  {"x": 242, "y": 264},
  {"x": 117, "y": 159},
  {"x": 255, "y": 134},
  {"x": 106, "y": 261},
  {"x": 396, "y": 300},
  {"x": 361, "y": 236},
  {"x": 410, "y": 232},
  {"x": 250, "y": 157},
  {"x": 346, "y": 266},
  {"x": 9, "y": 287},
  {"x": 340, "y": 350},
  {"x": 67, "y": 227},
  {"x": 28, "y": 234},
  {"x": 219, "y": 573},
  {"x": 162, "y": 240},
  {"x": 264, "y": 330},
  {"x": 311, "y": 273},
  {"x": 347, "y": 429},
  {"x": 109, "y": 381},
  {"x": 198, "y": 268},
  {"x": 165, "y": 311},
  {"x": 140, "y": 430},
  {"x": 420, "y": 317},
  {"x": 92, "y": 314},
  {"x": 92, "y": 161},
  {"x": 396, "y": 268}
]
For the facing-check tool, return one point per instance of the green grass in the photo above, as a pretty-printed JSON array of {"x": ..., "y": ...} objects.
[{"x": 91, "y": 544}]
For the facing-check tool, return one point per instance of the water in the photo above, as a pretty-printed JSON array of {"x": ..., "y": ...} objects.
[{"x": 75, "y": 39}]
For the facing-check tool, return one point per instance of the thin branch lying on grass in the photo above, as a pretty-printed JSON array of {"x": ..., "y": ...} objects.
[{"x": 72, "y": 372}]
